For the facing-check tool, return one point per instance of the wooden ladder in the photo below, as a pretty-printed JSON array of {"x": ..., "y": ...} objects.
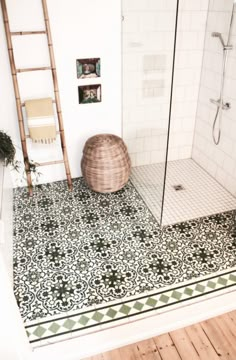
[{"x": 20, "y": 104}]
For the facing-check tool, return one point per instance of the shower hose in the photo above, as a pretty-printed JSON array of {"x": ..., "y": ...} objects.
[{"x": 216, "y": 134}]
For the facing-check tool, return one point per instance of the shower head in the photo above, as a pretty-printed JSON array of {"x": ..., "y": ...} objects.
[{"x": 217, "y": 34}]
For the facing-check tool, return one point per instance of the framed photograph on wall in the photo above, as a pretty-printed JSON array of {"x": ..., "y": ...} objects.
[
  {"x": 90, "y": 94},
  {"x": 88, "y": 68}
]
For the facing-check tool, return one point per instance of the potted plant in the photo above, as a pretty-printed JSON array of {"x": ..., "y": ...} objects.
[
  {"x": 7, "y": 156},
  {"x": 7, "y": 150}
]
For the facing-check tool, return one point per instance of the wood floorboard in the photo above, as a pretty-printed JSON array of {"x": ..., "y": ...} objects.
[
  {"x": 147, "y": 350},
  {"x": 130, "y": 353},
  {"x": 228, "y": 332},
  {"x": 112, "y": 355},
  {"x": 229, "y": 325},
  {"x": 217, "y": 339},
  {"x": 232, "y": 316},
  {"x": 184, "y": 345},
  {"x": 212, "y": 339},
  {"x": 201, "y": 342},
  {"x": 166, "y": 347}
]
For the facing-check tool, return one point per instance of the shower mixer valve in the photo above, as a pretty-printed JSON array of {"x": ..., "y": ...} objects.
[{"x": 224, "y": 106}]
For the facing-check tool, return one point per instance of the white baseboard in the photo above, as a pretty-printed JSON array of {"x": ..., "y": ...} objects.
[{"x": 134, "y": 331}]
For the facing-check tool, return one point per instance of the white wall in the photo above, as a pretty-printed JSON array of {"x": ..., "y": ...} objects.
[
  {"x": 148, "y": 39},
  {"x": 6, "y": 219},
  {"x": 80, "y": 29},
  {"x": 219, "y": 161}
]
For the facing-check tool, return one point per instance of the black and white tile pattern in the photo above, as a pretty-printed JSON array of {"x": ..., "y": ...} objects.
[{"x": 80, "y": 248}]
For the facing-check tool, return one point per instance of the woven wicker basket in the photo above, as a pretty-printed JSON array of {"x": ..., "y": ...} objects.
[{"x": 105, "y": 163}]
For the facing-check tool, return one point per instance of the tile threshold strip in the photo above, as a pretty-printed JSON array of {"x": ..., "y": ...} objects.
[{"x": 80, "y": 321}]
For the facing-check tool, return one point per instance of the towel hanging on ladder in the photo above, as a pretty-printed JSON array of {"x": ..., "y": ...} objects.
[{"x": 41, "y": 120}]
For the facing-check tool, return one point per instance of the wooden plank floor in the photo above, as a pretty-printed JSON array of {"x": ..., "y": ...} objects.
[{"x": 209, "y": 340}]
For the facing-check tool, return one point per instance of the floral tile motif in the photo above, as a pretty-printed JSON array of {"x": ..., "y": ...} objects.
[{"x": 73, "y": 250}]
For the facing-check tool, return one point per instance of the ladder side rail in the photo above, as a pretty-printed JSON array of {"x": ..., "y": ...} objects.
[
  {"x": 56, "y": 92},
  {"x": 17, "y": 96}
]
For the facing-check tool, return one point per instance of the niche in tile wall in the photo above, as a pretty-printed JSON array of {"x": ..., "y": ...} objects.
[
  {"x": 154, "y": 63},
  {"x": 153, "y": 88}
]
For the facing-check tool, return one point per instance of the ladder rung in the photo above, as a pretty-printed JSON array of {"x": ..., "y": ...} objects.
[
  {"x": 49, "y": 163},
  {"x": 23, "y": 104},
  {"x": 14, "y": 33},
  {"x": 28, "y": 137},
  {"x": 34, "y": 69}
]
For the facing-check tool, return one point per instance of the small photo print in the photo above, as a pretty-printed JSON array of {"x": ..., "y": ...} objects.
[
  {"x": 88, "y": 68},
  {"x": 90, "y": 94}
]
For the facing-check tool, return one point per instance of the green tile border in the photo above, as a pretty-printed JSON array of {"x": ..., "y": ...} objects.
[{"x": 84, "y": 320}]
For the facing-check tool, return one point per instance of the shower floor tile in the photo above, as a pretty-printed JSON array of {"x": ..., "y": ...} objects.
[
  {"x": 202, "y": 195},
  {"x": 77, "y": 250}
]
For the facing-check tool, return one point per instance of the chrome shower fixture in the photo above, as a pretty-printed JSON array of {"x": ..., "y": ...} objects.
[
  {"x": 219, "y": 35},
  {"x": 221, "y": 105}
]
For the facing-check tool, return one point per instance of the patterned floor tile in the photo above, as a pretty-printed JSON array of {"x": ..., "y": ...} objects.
[
  {"x": 104, "y": 315},
  {"x": 73, "y": 250}
]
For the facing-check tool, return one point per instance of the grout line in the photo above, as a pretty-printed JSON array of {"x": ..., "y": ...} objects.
[{"x": 179, "y": 205}]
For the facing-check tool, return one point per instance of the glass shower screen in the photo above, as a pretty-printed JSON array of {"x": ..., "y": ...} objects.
[{"x": 149, "y": 34}]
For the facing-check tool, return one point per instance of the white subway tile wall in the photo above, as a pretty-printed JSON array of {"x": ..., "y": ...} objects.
[
  {"x": 148, "y": 39},
  {"x": 219, "y": 161}
]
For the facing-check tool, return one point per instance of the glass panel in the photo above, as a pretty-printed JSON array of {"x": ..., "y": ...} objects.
[
  {"x": 148, "y": 50},
  {"x": 201, "y": 173}
]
